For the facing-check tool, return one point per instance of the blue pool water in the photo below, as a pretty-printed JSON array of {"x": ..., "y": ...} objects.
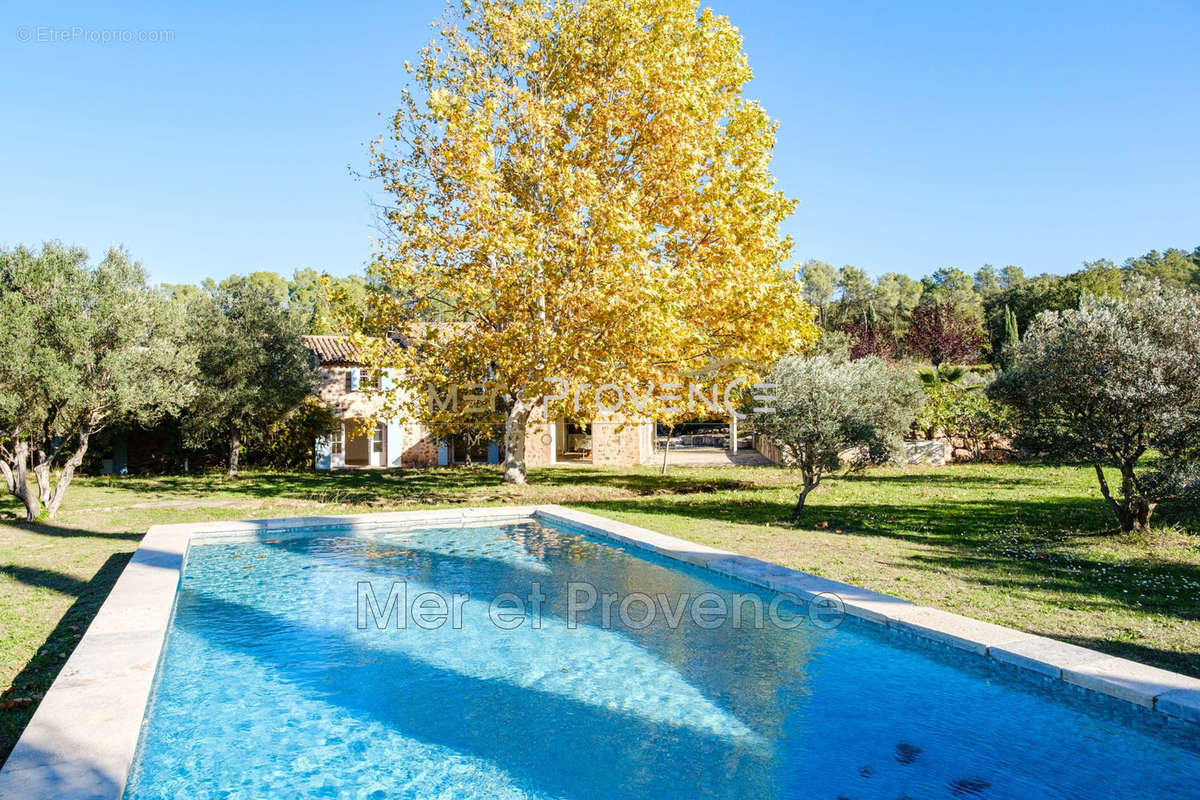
[{"x": 268, "y": 688}]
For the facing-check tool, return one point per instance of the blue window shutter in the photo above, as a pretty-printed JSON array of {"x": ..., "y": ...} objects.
[
  {"x": 385, "y": 381},
  {"x": 355, "y": 378},
  {"x": 493, "y": 452},
  {"x": 321, "y": 453},
  {"x": 443, "y": 453}
]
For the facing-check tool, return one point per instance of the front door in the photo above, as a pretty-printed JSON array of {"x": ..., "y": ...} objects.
[{"x": 378, "y": 442}]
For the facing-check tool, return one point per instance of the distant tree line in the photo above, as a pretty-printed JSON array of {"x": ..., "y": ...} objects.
[
  {"x": 1099, "y": 367},
  {"x": 950, "y": 316}
]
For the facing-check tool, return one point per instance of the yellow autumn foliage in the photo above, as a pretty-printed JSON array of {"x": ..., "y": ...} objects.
[{"x": 579, "y": 191}]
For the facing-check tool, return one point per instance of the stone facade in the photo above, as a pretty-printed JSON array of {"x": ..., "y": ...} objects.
[
  {"x": 344, "y": 386},
  {"x": 608, "y": 442},
  {"x": 416, "y": 446},
  {"x": 619, "y": 443},
  {"x": 539, "y": 441}
]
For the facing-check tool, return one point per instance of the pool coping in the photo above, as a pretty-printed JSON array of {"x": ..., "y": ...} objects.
[{"x": 83, "y": 736}]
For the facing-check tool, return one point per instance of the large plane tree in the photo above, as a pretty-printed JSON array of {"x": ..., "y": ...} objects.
[{"x": 579, "y": 192}]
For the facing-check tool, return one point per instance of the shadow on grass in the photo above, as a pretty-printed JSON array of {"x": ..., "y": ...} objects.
[
  {"x": 435, "y": 484},
  {"x": 61, "y": 532},
  {"x": 949, "y": 475},
  {"x": 19, "y": 701},
  {"x": 45, "y": 579},
  {"x": 937, "y": 521}
]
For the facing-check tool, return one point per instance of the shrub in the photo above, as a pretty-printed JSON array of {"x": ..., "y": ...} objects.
[
  {"x": 1109, "y": 382},
  {"x": 824, "y": 406},
  {"x": 964, "y": 413},
  {"x": 287, "y": 443}
]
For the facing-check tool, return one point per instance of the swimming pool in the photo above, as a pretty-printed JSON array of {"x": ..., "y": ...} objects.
[{"x": 270, "y": 685}]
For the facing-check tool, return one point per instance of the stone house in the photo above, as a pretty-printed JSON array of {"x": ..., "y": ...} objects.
[{"x": 357, "y": 443}]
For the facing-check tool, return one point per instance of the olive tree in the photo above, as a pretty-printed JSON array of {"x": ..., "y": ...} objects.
[
  {"x": 825, "y": 407},
  {"x": 1109, "y": 382},
  {"x": 253, "y": 366},
  {"x": 80, "y": 347}
]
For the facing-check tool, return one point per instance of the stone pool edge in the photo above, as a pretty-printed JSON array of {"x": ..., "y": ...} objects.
[{"x": 83, "y": 736}]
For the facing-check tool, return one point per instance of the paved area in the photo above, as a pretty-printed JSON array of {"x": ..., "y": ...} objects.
[{"x": 710, "y": 457}]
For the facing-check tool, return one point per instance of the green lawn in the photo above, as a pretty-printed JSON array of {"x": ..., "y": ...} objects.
[{"x": 1028, "y": 546}]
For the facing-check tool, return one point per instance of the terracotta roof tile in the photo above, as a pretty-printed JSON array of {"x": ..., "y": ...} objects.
[{"x": 339, "y": 349}]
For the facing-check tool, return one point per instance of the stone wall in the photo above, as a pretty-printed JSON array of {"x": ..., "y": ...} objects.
[
  {"x": 539, "y": 442},
  {"x": 991, "y": 447},
  {"x": 348, "y": 404},
  {"x": 613, "y": 443},
  {"x": 926, "y": 452},
  {"x": 417, "y": 446},
  {"x": 934, "y": 452},
  {"x": 768, "y": 449},
  {"x": 617, "y": 446}
]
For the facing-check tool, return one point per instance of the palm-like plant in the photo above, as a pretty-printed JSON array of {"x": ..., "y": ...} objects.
[{"x": 947, "y": 375}]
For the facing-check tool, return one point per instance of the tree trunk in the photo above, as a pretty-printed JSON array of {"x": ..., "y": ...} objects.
[
  {"x": 10, "y": 480},
  {"x": 1140, "y": 510},
  {"x": 64, "y": 480},
  {"x": 810, "y": 483},
  {"x": 43, "y": 462},
  {"x": 235, "y": 446},
  {"x": 41, "y": 472},
  {"x": 666, "y": 450},
  {"x": 515, "y": 422},
  {"x": 17, "y": 478},
  {"x": 1134, "y": 509}
]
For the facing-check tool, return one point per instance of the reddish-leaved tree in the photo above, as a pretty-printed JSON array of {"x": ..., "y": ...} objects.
[
  {"x": 867, "y": 340},
  {"x": 942, "y": 333}
]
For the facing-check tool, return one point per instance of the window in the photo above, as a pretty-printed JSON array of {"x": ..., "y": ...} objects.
[
  {"x": 336, "y": 441},
  {"x": 377, "y": 439},
  {"x": 367, "y": 379}
]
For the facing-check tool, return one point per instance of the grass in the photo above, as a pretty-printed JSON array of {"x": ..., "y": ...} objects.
[{"x": 1032, "y": 547}]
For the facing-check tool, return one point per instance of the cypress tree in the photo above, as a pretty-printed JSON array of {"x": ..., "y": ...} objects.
[{"x": 1011, "y": 336}]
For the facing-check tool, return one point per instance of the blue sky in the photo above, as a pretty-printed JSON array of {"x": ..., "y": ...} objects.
[{"x": 916, "y": 135}]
